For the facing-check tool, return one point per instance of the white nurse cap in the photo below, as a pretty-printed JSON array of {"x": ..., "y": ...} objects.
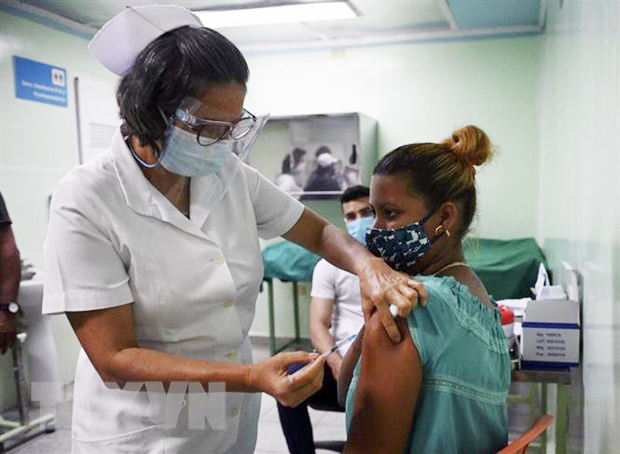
[{"x": 117, "y": 44}]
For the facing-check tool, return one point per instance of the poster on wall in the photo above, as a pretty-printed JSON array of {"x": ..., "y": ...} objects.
[
  {"x": 40, "y": 82},
  {"x": 318, "y": 170},
  {"x": 320, "y": 156}
]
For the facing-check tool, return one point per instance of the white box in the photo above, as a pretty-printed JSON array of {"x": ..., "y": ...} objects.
[{"x": 551, "y": 330}]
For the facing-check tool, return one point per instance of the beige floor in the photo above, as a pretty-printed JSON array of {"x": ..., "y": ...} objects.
[{"x": 325, "y": 425}]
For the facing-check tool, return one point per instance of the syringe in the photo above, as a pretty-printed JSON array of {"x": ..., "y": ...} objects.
[{"x": 337, "y": 345}]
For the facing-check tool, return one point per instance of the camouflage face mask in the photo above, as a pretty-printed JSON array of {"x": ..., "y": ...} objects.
[{"x": 401, "y": 248}]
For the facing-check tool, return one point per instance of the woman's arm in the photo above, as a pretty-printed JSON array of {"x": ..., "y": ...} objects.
[
  {"x": 107, "y": 337},
  {"x": 348, "y": 365},
  {"x": 380, "y": 285},
  {"x": 387, "y": 391}
]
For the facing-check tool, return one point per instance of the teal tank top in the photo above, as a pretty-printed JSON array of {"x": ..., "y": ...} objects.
[{"x": 466, "y": 373}]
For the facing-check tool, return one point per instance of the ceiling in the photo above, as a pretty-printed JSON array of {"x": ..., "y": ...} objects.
[{"x": 379, "y": 21}]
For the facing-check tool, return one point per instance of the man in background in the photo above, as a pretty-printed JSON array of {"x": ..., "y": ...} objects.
[
  {"x": 10, "y": 275},
  {"x": 335, "y": 314}
]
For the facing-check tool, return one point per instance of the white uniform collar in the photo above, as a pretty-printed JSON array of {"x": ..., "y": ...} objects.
[
  {"x": 142, "y": 197},
  {"x": 136, "y": 188}
]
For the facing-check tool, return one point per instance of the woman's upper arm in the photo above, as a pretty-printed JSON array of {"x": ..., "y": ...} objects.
[
  {"x": 348, "y": 365},
  {"x": 104, "y": 333},
  {"x": 387, "y": 391}
]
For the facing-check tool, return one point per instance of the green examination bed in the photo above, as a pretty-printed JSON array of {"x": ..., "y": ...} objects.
[{"x": 508, "y": 268}]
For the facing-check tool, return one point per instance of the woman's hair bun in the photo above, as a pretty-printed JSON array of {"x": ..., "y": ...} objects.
[{"x": 471, "y": 144}]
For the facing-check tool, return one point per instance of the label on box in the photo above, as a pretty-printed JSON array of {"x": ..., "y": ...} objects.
[{"x": 550, "y": 344}]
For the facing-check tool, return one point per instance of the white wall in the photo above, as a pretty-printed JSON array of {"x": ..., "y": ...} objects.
[
  {"x": 421, "y": 92},
  {"x": 38, "y": 145},
  {"x": 417, "y": 92},
  {"x": 580, "y": 191}
]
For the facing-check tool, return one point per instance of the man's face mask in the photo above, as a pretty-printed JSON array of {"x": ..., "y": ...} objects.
[
  {"x": 401, "y": 248},
  {"x": 358, "y": 227}
]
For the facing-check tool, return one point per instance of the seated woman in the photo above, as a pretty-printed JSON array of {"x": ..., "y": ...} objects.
[{"x": 443, "y": 388}]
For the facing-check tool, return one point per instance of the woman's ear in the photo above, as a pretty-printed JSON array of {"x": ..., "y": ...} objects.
[{"x": 449, "y": 215}]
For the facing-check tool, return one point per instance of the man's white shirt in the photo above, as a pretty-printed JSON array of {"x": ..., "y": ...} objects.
[{"x": 330, "y": 282}]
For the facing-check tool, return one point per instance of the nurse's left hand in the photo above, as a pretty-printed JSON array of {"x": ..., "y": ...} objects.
[
  {"x": 272, "y": 376},
  {"x": 381, "y": 287}
]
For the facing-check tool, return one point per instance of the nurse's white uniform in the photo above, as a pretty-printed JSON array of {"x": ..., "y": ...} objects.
[{"x": 114, "y": 239}]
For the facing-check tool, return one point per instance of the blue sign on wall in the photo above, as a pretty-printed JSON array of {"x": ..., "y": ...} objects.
[{"x": 40, "y": 82}]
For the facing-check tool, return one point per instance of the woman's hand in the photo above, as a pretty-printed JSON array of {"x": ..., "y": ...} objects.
[
  {"x": 271, "y": 376},
  {"x": 381, "y": 287}
]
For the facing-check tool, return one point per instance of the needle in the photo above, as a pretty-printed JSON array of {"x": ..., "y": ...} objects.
[
  {"x": 326, "y": 353},
  {"x": 337, "y": 345},
  {"x": 295, "y": 367}
]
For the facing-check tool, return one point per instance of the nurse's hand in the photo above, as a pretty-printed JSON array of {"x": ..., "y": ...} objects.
[
  {"x": 272, "y": 377},
  {"x": 381, "y": 287}
]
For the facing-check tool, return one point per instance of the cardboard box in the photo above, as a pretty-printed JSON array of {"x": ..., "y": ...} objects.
[{"x": 551, "y": 331}]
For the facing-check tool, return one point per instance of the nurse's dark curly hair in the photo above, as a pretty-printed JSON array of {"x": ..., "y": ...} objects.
[{"x": 180, "y": 63}]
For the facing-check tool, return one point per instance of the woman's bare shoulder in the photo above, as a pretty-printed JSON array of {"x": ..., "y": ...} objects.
[{"x": 468, "y": 277}]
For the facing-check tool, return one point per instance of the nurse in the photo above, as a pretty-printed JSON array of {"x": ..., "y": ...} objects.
[{"x": 152, "y": 251}]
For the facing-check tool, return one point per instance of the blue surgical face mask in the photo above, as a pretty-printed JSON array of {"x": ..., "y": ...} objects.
[
  {"x": 358, "y": 227},
  {"x": 183, "y": 155},
  {"x": 401, "y": 248}
]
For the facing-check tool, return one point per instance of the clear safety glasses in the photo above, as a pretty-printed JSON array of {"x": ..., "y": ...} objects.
[
  {"x": 190, "y": 116},
  {"x": 209, "y": 132}
]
